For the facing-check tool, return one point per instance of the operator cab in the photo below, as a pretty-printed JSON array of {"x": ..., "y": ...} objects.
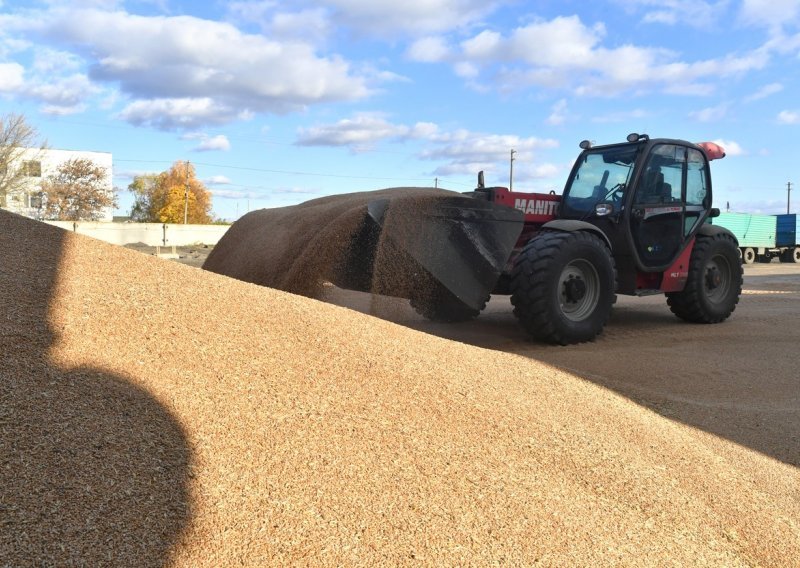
[{"x": 649, "y": 197}]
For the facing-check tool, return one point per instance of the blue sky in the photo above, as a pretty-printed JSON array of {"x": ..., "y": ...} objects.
[{"x": 279, "y": 102}]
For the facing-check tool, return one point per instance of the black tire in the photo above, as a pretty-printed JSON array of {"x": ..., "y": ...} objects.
[
  {"x": 440, "y": 305},
  {"x": 714, "y": 283},
  {"x": 563, "y": 286},
  {"x": 748, "y": 255},
  {"x": 792, "y": 255}
]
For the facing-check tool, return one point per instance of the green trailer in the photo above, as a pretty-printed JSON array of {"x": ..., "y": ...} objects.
[{"x": 761, "y": 237}]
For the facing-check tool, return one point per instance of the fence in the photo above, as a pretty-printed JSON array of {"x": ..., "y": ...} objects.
[{"x": 151, "y": 234}]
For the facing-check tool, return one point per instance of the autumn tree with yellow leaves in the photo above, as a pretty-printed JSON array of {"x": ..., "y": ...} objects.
[{"x": 168, "y": 196}]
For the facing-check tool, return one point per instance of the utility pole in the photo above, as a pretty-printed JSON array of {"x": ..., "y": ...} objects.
[
  {"x": 511, "y": 172},
  {"x": 186, "y": 196},
  {"x": 436, "y": 183},
  {"x": 788, "y": 195}
]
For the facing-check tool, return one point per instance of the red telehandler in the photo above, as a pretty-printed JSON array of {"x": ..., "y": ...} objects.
[{"x": 631, "y": 220}]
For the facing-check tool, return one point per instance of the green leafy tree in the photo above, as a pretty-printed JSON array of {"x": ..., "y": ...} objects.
[
  {"x": 20, "y": 144},
  {"x": 77, "y": 191},
  {"x": 143, "y": 189},
  {"x": 171, "y": 196}
]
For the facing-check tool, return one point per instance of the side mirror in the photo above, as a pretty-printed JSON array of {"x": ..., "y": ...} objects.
[{"x": 713, "y": 212}]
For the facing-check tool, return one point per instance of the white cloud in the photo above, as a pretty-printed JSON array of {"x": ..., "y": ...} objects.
[
  {"x": 59, "y": 110},
  {"x": 231, "y": 193},
  {"x": 765, "y": 92},
  {"x": 314, "y": 20},
  {"x": 459, "y": 152},
  {"x": 710, "y": 114},
  {"x": 218, "y": 142},
  {"x": 472, "y": 168},
  {"x": 412, "y": 17},
  {"x": 465, "y": 145},
  {"x": 218, "y": 180},
  {"x": 695, "y": 13},
  {"x": 12, "y": 77},
  {"x": 296, "y": 191},
  {"x": 54, "y": 61},
  {"x": 311, "y": 25},
  {"x": 468, "y": 152},
  {"x": 526, "y": 172},
  {"x": 362, "y": 132},
  {"x": 482, "y": 46},
  {"x": 61, "y": 95},
  {"x": 545, "y": 171},
  {"x": 428, "y": 50},
  {"x": 195, "y": 71},
  {"x": 789, "y": 117},
  {"x": 184, "y": 113},
  {"x": 558, "y": 114},
  {"x": 565, "y": 53},
  {"x": 731, "y": 148},
  {"x": 466, "y": 70},
  {"x": 772, "y": 14}
]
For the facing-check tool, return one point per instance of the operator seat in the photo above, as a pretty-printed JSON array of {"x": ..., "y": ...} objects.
[
  {"x": 654, "y": 189},
  {"x": 659, "y": 236}
]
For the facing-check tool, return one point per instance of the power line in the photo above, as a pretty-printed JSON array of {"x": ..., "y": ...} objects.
[{"x": 291, "y": 172}]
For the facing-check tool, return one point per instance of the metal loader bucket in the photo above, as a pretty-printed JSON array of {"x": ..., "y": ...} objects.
[{"x": 458, "y": 241}]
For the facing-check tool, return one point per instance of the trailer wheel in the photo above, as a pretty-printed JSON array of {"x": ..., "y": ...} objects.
[
  {"x": 714, "y": 283},
  {"x": 439, "y": 304},
  {"x": 562, "y": 286},
  {"x": 791, "y": 255},
  {"x": 748, "y": 255}
]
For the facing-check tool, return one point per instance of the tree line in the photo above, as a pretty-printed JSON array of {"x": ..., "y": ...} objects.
[{"x": 77, "y": 191}]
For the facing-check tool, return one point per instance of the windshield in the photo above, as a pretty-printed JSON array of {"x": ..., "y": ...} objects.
[{"x": 602, "y": 176}]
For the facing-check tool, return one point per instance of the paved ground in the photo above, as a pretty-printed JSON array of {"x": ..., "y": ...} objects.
[{"x": 193, "y": 256}]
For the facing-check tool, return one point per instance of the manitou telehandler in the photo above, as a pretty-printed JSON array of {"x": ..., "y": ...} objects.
[{"x": 631, "y": 220}]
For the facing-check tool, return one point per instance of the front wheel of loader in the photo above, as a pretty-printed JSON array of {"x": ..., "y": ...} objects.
[
  {"x": 440, "y": 305},
  {"x": 714, "y": 283},
  {"x": 562, "y": 286}
]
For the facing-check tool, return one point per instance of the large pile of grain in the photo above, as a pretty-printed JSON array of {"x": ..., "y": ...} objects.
[
  {"x": 152, "y": 413},
  {"x": 297, "y": 248},
  {"x": 331, "y": 239}
]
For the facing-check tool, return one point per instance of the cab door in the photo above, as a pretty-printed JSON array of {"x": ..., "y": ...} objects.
[{"x": 669, "y": 204}]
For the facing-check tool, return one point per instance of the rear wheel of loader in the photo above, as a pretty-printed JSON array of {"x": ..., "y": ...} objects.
[
  {"x": 439, "y": 304},
  {"x": 562, "y": 286},
  {"x": 714, "y": 283}
]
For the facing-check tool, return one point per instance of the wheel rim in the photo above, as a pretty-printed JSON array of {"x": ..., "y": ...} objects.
[
  {"x": 578, "y": 290},
  {"x": 717, "y": 279}
]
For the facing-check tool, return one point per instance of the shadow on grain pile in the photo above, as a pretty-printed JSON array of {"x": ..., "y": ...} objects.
[
  {"x": 320, "y": 436},
  {"x": 92, "y": 468}
]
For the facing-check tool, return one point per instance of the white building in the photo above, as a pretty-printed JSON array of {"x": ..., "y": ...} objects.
[{"x": 38, "y": 165}]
